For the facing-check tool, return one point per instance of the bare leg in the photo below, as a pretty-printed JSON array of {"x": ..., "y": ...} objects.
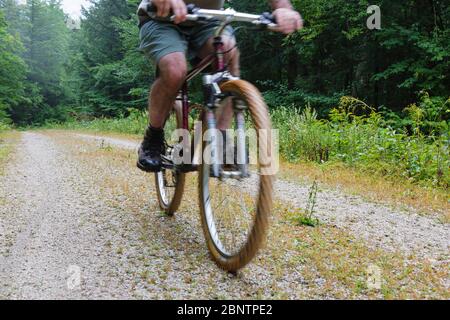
[
  {"x": 225, "y": 115},
  {"x": 172, "y": 70}
]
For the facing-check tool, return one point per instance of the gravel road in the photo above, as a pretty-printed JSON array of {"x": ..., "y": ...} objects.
[
  {"x": 61, "y": 238},
  {"x": 381, "y": 226}
]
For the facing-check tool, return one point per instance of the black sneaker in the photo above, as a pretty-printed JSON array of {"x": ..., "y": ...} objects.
[{"x": 151, "y": 150}]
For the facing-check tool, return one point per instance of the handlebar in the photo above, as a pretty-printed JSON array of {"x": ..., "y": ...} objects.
[{"x": 227, "y": 16}]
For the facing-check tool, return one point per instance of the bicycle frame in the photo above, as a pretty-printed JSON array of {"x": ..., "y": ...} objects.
[{"x": 217, "y": 60}]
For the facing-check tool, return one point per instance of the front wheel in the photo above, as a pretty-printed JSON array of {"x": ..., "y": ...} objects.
[{"x": 235, "y": 210}]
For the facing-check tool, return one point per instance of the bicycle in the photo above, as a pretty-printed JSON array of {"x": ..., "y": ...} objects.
[{"x": 235, "y": 233}]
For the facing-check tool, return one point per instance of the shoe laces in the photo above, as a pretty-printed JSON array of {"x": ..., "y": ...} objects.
[{"x": 154, "y": 144}]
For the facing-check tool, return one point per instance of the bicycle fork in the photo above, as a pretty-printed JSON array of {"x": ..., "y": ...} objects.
[
  {"x": 213, "y": 143},
  {"x": 241, "y": 149},
  {"x": 212, "y": 96}
]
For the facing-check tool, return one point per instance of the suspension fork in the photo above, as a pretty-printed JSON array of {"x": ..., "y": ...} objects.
[
  {"x": 214, "y": 145},
  {"x": 241, "y": 148},
  {"x": 211, "y": 92}
]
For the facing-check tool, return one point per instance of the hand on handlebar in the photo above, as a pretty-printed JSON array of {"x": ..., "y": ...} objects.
[
  {"x": 166, "y": 7},
  {"x": 288, "y": 20}
]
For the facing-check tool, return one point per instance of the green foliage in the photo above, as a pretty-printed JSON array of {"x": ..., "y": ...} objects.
[
  {"x": 277, "y": 95},
  {"x": 46, "y": 42},
  {"x": 306, "y": 217},
  {"x": 4, "y": 127},
  {"x": 135, "y": 123},
  {"x": 12, "y": 72},
  {"x": 336, "y": 54},
  {"x": 430, "y": 116},
  {"x": 98, "y": 71},
  {"x": 40, "y": 26},
  {"x": 302, "y": 135},
  {"x": 361, "y": 138},
  {"x": 113, "y": 75}
]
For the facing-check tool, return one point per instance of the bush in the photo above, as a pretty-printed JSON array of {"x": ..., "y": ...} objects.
[
  {"x": 302, "y": 135},
  {"x": 281, "y": 95},
  {"x": 359, "y": 137},
  {"x": 4, "y": 126},
  {"x": 429, "y": 116},
  {"x": 134, "y": 123}
]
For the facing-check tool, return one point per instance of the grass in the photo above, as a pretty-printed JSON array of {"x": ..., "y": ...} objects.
[
  {"x": 7, "y": 141},
  {"x": 343, "y": 261},
  {"x": 364, "y": 143},
  {"x": 306, "y": 217},
  {"x": 135, "y": 123},
  {"x": 399, "y": 193},
  {"x": 302, "y": 218}
]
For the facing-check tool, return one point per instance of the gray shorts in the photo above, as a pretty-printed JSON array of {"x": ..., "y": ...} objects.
[{"x": 158, "y": 38}]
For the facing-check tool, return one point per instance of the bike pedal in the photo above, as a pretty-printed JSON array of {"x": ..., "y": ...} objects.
[{"x": 148, "y": 170}]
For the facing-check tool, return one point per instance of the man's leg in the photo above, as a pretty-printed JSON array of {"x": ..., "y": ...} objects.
[
  {"x": 172, "y": 71},
  {"x": 165, "y": 44}
]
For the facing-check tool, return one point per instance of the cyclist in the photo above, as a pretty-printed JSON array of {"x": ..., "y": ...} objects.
[{"x": 169, "y": 45}]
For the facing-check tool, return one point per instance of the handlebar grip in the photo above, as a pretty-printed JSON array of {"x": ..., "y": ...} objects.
[{"x": 269, "y": 16}]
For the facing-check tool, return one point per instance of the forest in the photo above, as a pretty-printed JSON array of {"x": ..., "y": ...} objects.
[{"x": 374, "y": 99}]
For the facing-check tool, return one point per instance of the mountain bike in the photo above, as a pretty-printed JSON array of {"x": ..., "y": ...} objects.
[{"x": 235, "y": 203}]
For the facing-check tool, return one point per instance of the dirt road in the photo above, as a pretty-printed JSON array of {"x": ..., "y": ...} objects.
[{"x": 78, "y": 220}]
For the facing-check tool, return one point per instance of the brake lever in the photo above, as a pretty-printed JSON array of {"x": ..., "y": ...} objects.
[
  {"x": 268, "y": 17},
  {"x": 191, "y": 8},
  {"x": 267, "y": 21}
]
